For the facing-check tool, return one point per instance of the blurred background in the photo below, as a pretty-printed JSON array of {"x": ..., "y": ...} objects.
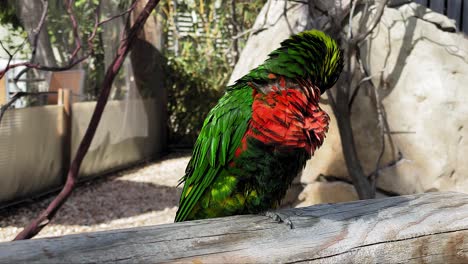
[{"x": 404, "y": 102}]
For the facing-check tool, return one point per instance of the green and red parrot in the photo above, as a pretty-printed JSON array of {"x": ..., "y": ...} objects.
[{"x": 262, "y": 131}]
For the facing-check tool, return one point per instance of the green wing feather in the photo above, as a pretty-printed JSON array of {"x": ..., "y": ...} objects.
[{"x": 219, "y": 138}]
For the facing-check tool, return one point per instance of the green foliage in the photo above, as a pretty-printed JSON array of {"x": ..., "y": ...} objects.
[
  {"x": 16, "y": 34},
  {"x": 202, "y": 55},
  {"x": 8, "y": 14},
  {"x": 190, "y": 99}
]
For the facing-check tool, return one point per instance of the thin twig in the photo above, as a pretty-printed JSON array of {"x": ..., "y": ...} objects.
[
  {"x": 73, "y": 60},
  {"x": 255, "y": 30},
  {"x": 380, "y": 116},
  {"x": 75, "y": 30},
  {"x": 373, "y": 176},
  {"x": 350, "y": 21},
  {"x": 36, "y": 32},
  {"x": 130, "y": 9},
  {"x": 97, "y": 14},
  {"x": 378, "y": 16},
  {"x": 285, "y": 14},
  {"x": 35, "y": 39},
  {"x": 331, "y": 98},
  {"x": 359, "y": 85}
]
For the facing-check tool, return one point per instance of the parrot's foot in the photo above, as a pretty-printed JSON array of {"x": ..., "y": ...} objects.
[{"x": 280, "y": 218}]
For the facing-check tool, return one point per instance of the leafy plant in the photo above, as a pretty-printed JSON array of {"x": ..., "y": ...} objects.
[{"x": 203, "y": 44}]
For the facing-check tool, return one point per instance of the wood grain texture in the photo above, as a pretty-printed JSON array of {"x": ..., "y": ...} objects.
[{"x": 424, "y": 228}]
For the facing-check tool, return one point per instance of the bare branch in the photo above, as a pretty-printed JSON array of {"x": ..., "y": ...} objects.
[
  {"x": 345, "y": 95},
  {"x": 132, "y": 7},
  {"x": 350, "y": 21},
  {"x": 35, "y": 38},
  {"x": 91, "y": 36},
  {"x": 380, "y": 116},
  {"x": 331, "y": 98},
  {"x": 40, "y": 67},
  {"x": 374, "y": 175},
  {"x": 264, "y": 26},
  {"x": 244, "y": 33},
  {"x": 10, "y": 56},
  {"x": 359, "y": 85},
  {"x": 75, "y": 30},
  {"x": 5, "y": 49},
  {"x": 73, "y": 60},
  {"x": 44, "y": 218},
  {"x": 38, "y": 29},
  {"x": 378, "y": 16}
]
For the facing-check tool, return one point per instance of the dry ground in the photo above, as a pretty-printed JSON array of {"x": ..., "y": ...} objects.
[{"x": 146, "y": 195}]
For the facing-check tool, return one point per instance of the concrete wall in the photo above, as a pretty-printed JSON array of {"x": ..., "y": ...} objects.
[{"x": 32, "y": 144}]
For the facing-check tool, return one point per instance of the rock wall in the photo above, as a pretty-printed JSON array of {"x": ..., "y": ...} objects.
[
  {"x": 270, "y": 28},
  {"x": 420, "y": 70}
]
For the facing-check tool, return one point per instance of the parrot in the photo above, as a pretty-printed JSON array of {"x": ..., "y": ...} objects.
[{"x": 260, "y": 134}]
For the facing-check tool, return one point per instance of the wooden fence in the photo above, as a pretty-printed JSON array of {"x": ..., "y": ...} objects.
[
  {"x": 423, "y": 228},
  {"x": 454, "y": 9}
]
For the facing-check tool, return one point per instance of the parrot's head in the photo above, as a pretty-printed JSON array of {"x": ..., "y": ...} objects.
[
  {"x": 322, "y": 56},
  {"x": 310, "y": 55}
]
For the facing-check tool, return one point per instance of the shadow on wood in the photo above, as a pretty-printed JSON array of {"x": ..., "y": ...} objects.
[{"x": 423, "y": 228}]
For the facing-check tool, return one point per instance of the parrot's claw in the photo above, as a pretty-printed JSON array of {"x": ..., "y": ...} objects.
[{"x": 280, "y": 218}]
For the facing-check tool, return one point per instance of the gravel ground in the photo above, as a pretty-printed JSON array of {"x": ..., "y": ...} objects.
[{"x": 145, "y": 195}]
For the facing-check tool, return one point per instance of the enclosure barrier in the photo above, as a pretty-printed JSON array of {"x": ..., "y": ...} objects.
[
  {"x": 423, "y": 228},
  {"x": 38, "y": 143}
]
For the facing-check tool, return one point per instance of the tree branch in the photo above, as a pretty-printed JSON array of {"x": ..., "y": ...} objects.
[
  {"x": 35, "y": 38},
  {"x": 38, "y": 29},
  {"x": 380, "y": 10},
  {"x": 73, "y": 61},
  {"x": 359, "y": 85},
  {"x": 75, "y": 30},
  {"x": 44, "y": 218},
  {"x": 342, "y": 100}
]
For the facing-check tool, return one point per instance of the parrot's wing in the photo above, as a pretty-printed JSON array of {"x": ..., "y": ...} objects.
[{"x": 219, "y": 138}]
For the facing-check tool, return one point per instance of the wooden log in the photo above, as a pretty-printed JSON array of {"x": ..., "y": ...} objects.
[{"x": 424, "y": 228}]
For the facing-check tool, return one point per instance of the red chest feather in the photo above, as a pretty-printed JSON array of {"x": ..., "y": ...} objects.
[{"x": 288, "y": 118}]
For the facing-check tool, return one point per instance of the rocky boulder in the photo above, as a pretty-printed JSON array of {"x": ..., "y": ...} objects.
[{"x": 419, "y": 68}]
